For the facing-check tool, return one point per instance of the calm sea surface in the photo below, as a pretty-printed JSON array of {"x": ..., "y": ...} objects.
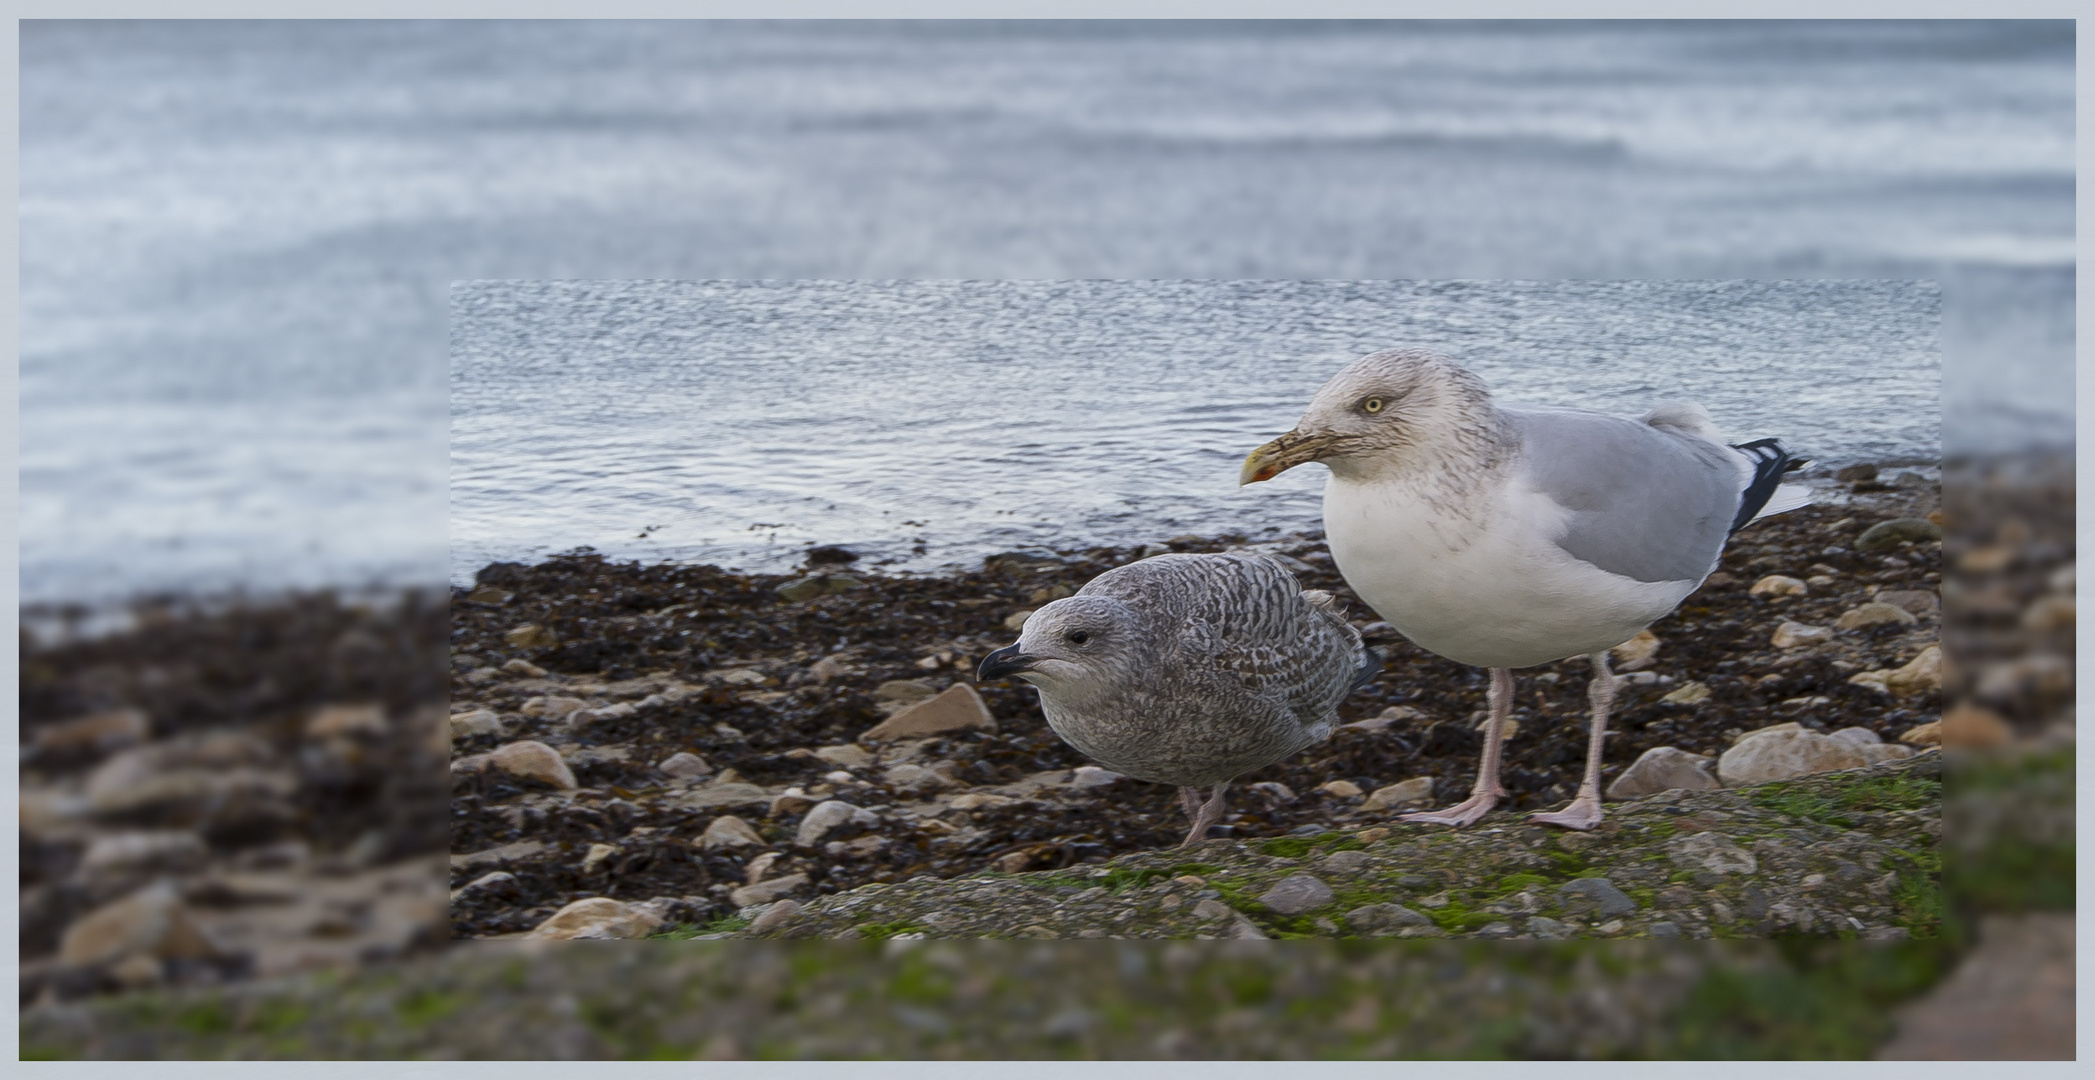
[
  {"x": 929, "y": 423},
  {"x": 238, "y": 241}
]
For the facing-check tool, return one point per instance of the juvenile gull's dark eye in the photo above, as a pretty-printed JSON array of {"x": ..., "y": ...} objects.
[{"x": 1080, "y": 636}]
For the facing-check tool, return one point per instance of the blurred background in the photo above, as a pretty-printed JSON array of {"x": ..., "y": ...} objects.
[{"x": 237, "y": 240}]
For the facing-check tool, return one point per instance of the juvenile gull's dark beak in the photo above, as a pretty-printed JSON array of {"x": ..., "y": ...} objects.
[
  {"x": 1282, "y": 454},
  {"x": 1005, "y": 661}
]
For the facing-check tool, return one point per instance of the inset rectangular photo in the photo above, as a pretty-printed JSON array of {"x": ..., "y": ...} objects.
[{"x": 1195, "y": 609}]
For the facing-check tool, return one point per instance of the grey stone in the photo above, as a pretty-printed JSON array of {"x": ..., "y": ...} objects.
[
  {"x": 1611, "y": 900},
  {"x": 1664, "y": 768},
  {"x": 775, "y": 916},
  {"x": 1210, "y": 910},
  {"x": 1383, "y": 920},
  {"x": 1664, "y": 930},
  {"x": 1783, "y": 752},
  {"x": 1548, "y": 929},
  {"x": 1886, "y": 535},
  {"x": 727, "y": 794},
  {"x": 766, "y": 891},
  {"x": 1347, "y": 862},
  {"x": 684, "y": 764},
  {"x": 824, "y": 819},
  {"x": 172, "y": 851},
  {"x": 466, "y": 725},
  {"x": 1860, "y": 736},
  {"x": 1874, "y": 613},
  {"x": 1712, "y": 852},
  {"x": 729, "y": 832},
  {"x": 1297, "y": 893}
]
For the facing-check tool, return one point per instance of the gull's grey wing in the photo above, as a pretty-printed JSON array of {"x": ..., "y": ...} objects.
[{"x": 1646, "y": 502}]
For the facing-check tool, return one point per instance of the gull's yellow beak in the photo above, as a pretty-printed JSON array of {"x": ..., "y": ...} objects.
[{"x": 1282, "y": 454}]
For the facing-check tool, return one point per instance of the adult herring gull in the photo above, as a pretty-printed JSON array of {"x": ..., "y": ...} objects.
[
  {"x": 1189, "y": 670},
  {"x": 1508, "y": 537}
]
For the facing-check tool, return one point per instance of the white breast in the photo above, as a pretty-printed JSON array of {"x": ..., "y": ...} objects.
[{"x": 1489, "y": 586}]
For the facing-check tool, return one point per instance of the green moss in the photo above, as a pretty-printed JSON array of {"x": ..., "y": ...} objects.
[
  {"x": 2014, "y": 874},
  {"x": 204, "y": 1018},
  {"x": 726, "y": 924},
  {"x": 2013, "y": 772},
  {"x": 1455, "y": 917},
  {"x": 1828, "y": 1000},
  {"x": 1286, "y": 847},
  {"x": 1885, "y": 793},
  {"x": 419, "y": 1008}
]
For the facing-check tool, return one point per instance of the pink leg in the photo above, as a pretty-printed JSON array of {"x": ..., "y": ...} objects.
[
  {"x": 1584, "y": 811},
  {"x": 1487, "y": 792},
  {"x": 1203, "y": 815}
]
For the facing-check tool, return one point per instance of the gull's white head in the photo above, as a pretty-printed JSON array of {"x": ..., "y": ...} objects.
[{"x": 1385, "y": 410}]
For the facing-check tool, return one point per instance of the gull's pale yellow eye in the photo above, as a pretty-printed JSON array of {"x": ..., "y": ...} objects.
[{"x": 1371, "y": 406}]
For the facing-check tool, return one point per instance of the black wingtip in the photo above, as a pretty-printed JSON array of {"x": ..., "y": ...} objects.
[
  {"x": 1370, "y": 666},
  {"x": 1770, "y": 463}
]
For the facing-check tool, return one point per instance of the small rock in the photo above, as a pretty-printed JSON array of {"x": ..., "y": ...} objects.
[
  {"x": 2049, "y": 613},
  {"x": 1782, "y": 752},
  {"x": 777, "y": 915},
  {"x": 1778, "y": 585},
  {"x": 1343, "y": 789},
  {"x": 1874, "y": 614},
  {"x": 915, "y": 778},
  {"x": 791, "y": 801},
  {"x": 765, "y": 892},
  {"x": 826, "y": 669},
  {"x": 525, "y": 668},
  {"x": 1974, "y": 727},
  {"x": 1856, "y": 472},
  {"x": 488, "y": 595},
  {"x": 531, "y": 636},
  {"x": 163, "y": 850},
  {"x": 100, "y": 732},
  {"x": 499, "y": 883},
  {"x": 979, "y": 800},
  {"x": 1663, "y": 929},
  {"x": 815, "y": 585},
  {"x": 1297, "y": 893},
  {"x": 1792, "y": 635},
  {"x": 1273, "y": 790},
  {"x": 1347, "y": 862},
  {"x": 1016, "y": 621},
  {"x": 724, "y": 792},
  {"x": 1886, "y": 535},
  {"x": 1507, "y": 729},
  {"x": 1548, "y": 929},
  {"x": 595, "y": 857},
  {"x": 847, "y": 755},
  {"x": 1860, "y": 736},
  {"x": 1709, "y": 851},
  {"x": 597, "y": 918},
  {"x": 1920, "y": 675},
  {"x": 729, "y": 832},
  {"x": 516, "y": 852},
  {"x": 467, "y": 725},
  {"x": 683, "y": 763},
  {"x": 1692, "y": 693},
  {"x": 959, "y": 707},
  {"x": 1087, "y": 776},
  {"x": 583, "y": 717},
  {"x": 338, "y": 721},
  {"x": 1664, "y": 768},
  {"x": 1611, "y": 900},
  {"x": 759, "y": 868},
  {"x": 1636, "y": 651},
  {"x": 1917, "y": 601},
  {"x": 1415, "y": 790},
  {"x": 862, "y": 848},
  {"x": 1369, "y": 836},
  {"x": 1211, "y": 909},
  {"x": 531, "y": 760},
  {"x": 1928, "y": 734},
  {"x": 1384, "y": 920},
  {"x": 824, "y": 819},
  {"x": 555, "y": 707},
  {"x": 151, "y": 922}
]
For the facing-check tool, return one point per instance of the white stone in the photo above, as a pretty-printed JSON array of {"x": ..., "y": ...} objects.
[
  {"x": 1087, "y": 776},
  {"x": 1778, "y": 585},
  {"x": 824, "y": 819},
  {"x": 766, "y": 891},
  {"x": 1415, "y": 790},
  {"x": 599, "y": 917},
  {"x": 1664, "y": 768},
  {"x": 466, "y": 725},
  {"x": 1693, "y": 693},
  {"x": 1874, "y": 614},
  {"x": 846, "y": 755},
  {"x": 730, "y": 832},
  {"x": 1783, "y": 752},
  {"x": 1791, "y": 635},
  {"x": 684, "y": 764},
  {"x": 595, "y": 857}
]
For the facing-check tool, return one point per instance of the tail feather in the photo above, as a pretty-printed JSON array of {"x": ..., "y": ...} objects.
[{"x": 1770, "y": 463}]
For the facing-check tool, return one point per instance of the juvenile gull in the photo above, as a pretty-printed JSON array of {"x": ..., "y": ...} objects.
[
  {"x": 1189, "y": 670},
  {"x": 1508, "y": 537}
]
